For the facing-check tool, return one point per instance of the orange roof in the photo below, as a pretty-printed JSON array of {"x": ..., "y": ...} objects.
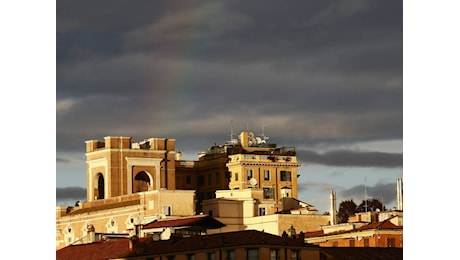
[
  {"x": 386, "y": 224},
  {"x": 97, "y": 250},
  {"x": 120, "y": 247}
]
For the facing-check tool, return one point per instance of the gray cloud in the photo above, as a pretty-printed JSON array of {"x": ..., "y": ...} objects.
[
  {"x": 387, "y": 191},
  {"x": 320, "y": 71},
  {"x": 352, "y": 158},
  {"x": 71, "y": 193},
  {"x": 62, "y": 160}
]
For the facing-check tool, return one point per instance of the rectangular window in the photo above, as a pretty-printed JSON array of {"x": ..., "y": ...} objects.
[
  {"x": 273, "y": 254},
  {"x": 201, "y": 180},
  {"x": 249, "y": 174},
  {"x": 366, "y": 242},
  {"x": 351, "y": 243},
  {"x": 266, "y": 175},
  {"x": 167, "y": 210},
  {"x": 391, "y": 242},
  {"x": 209, "y": 179},
  {"x": 285, "y": 175},
  {"x": 294, "y": 255},
  {"x": 236, "y": 176},
  {"x": 211, "y": 256},
  {"x": 217, "y": 178},
  {"x": 262, "y": 211},
  {"x": 191, "y": 257},
  {"x": 210, "y": 213},
  {"x": 253, "y": 254},
  {"x": 188, "y": 179},
  {"x": 230, "y": 255},
  {"x": 171, "y": 257},
  {"x": 335, "y": 244},
  {"x": 269, "y": 193}
]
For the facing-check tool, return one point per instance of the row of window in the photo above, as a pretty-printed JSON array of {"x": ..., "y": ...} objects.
[
  {"x": 284, "y": 175},
  {"x": 201, "y": 179},
  {"x": 252, "y": 254}
]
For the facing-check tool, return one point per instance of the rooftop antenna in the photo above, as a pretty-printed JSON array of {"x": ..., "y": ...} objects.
[
  {"x": 232, "y": 140},
  {"x": 231, "y": 129},
  {"x": 365, "y": 194}
]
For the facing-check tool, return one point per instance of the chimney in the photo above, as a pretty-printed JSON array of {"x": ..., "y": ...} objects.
[
  {"x": 333, "y": 207},
  {"x": 178, "y": 156},
  {"x": 133, "y": 243},
  {"x": 91, "y": 234},
  {"x": 244, "y": 138},
  {"x": 399, "y": 195}
]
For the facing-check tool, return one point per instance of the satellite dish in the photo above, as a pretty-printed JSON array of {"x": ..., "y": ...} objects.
[{"x": 253, "y": 181}]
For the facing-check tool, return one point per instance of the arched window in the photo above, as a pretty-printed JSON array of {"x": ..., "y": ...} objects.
[
  {"x": 141, "y": 182},
  {"x": 100, "y": 186}
]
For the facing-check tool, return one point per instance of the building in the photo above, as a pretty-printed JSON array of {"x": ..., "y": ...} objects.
[
  {"x": 251, "y": 209},
  {"x": 247, "y": 244},
  {"x": 379, "y": 234},
  {"x": 249, "y": 162},
  {"x": 244, "y": 184},
  {"x": 363, "y": 229},
  {"x": 128, "y": 183}
]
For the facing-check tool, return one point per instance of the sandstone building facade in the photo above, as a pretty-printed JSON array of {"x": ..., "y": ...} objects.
[{"x": 135, "y": 183}]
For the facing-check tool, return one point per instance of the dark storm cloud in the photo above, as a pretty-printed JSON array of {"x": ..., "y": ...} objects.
[
  {"x": 322, "y": 71},
  {"x": 352, "y": 158},
  {"x": 387, "y": 191},
  {"x": 71, "y": 193}
]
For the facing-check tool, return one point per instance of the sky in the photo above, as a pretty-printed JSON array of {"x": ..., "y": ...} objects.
[{"x": 323, "y": 76}]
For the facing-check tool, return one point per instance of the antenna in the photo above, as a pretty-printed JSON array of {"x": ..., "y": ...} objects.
[
  {"x": 365, "y": 194},
  {"x": 231, "y": 130}
]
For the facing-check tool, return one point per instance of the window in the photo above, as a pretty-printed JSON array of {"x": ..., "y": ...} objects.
[
  {"x": 201, "y": 180},
  {"x": 236, "y": 176},
  {"x": 100, "y": 186},
  {"x": 217, "y": 178},
  {"x": 268, "y": 193},
  {"x": 253, "y": 254},
  {"x": 391, "y": 242},
  {"x": 167, "y": 210},
  {"x": 141, "y": 182},
  {"x": 210, "y": 213},
  {"x": 171, "y": 257},
  {"x": 250, "y": 174},
  {"x": 294, "y": 255},
  {"x": 366, "y": 242},
  {"x": 231, "y": 255},
  {"x": 262, "y": 211},
  {"x": 188, "y": 179},
  {"x": 211, "y": 256},
  {"x": 273, "y": 254},
  {"x": 335, "y": 244},
  {"x": 266, "y": 175},
  {"x": 209, "y": 179},
  {"x": 191, "y": 257},
  {"x": 351, "y": 243},
  {"x": 285, "y": 175}
]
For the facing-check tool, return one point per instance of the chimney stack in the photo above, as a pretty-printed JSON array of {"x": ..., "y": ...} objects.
[
  {"x": 91, "y": 234},
  {"x": 333, "y": 208}
]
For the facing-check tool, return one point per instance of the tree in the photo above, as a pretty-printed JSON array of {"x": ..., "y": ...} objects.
[
  {"x": 372, "y": 205},
  {"x": 346, "y": 208}
]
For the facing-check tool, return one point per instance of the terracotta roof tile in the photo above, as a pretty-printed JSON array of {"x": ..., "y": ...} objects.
[{"x": 362, "y": 253}]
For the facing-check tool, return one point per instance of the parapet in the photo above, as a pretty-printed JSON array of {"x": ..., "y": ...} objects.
[{"x": 125, "y": 142}]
